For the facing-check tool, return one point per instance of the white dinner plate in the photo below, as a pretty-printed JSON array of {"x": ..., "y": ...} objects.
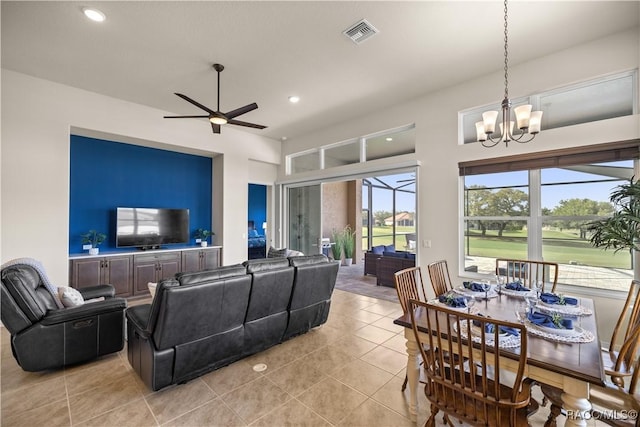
[{"x": 577, "y": 330}]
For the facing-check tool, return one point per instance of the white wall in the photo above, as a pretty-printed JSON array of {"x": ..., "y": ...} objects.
[
  {"x": 438, "y": 152},
  {"x": 37, "y": 116}
]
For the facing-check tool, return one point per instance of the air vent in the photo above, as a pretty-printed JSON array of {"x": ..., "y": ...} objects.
[{"x": 360, "y": 31}]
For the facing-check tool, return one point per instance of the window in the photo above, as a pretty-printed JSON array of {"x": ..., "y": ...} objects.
[
  {"x": 390, "y": 143},
  {"x": 542, "y": 211},
  {"x": 597, "y": 99}
]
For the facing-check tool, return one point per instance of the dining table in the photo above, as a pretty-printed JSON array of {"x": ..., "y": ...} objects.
[{"x": 572, "y": 364}]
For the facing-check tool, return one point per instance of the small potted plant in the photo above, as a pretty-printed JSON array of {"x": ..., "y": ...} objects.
[
  {"x": 336, "y": 245},
  {"x": 348, "y": 241},
  {"x": 93, "y": 238},
  {"x": 203, "y": 234}
]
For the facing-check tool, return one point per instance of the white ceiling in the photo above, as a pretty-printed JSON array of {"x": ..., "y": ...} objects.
[{"x": 147, "y": 50}]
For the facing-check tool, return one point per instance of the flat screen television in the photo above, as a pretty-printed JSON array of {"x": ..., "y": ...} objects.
[{"x": 149, "y": 228}]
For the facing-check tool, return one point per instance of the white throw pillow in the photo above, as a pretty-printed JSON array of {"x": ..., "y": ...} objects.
[{"x": 70, "y": 297}]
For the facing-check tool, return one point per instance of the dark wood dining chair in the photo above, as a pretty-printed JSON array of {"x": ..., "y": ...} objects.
[
  {"x": 408, "y": 283},
  {"x": 439, "y": 277},
  {"x": 618, "y": 365},
  {"x": 475, "y": 392},
  {"x": 529, "y": 272}
]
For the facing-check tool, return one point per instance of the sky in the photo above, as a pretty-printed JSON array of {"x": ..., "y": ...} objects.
[{"x": 580, "y": 187}]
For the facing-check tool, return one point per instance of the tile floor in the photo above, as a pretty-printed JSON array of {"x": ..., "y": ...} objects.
[{"x": 347, "y": 372}]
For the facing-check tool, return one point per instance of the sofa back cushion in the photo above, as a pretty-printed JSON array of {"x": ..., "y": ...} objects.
[
  {"x": 272, "y": 280},
  {"x": 315, "y": 278},
  {"x": 205, "y": 304},
  {"x": 378, "y": 250},
  {"x": 25, "y": 286}
]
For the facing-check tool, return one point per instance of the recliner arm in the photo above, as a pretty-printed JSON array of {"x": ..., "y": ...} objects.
[
  {"x": 110, "y": 305},
  {"x": 90, "y": 292},
  {"x": 138, "y": 318}
]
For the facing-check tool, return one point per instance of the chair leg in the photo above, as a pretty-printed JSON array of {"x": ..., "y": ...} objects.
[
  {"x": 404, "y": 384},
  {"x": 431, "y": 422},
  {"x": 555, "y": 410}
]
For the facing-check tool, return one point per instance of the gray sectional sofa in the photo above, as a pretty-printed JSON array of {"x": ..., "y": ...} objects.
[{"x": 199, "y": 322}]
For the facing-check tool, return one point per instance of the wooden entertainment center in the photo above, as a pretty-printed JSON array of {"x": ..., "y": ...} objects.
[{"x": 130, "y": 272}]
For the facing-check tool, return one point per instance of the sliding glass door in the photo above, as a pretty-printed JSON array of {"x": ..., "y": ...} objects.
[{"x": 305, "y": 219}]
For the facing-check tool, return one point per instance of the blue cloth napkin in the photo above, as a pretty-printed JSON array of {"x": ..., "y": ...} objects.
[
  {"x": 516, "y": 286},
  {"x": 550, "y": 298},
  {"x": 473, "y": 286},
  {"x": 490, "y": 327},
  {"x": 545, "y": 320},
  {"x": 453, "y": 302}
]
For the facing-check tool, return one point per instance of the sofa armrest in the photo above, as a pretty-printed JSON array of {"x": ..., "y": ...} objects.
[
  {"x": 63, "y": 315},
  {"x": 90, "y": 292},
  {"x": 138, "y": 318}
]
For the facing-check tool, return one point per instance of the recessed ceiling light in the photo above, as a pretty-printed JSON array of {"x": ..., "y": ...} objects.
[
  {"x": 284, "y": 138},
  {"x": 94, "y": 14},
  {"x": 389, "y": 139},
  {"x": 294, "y": 99}
]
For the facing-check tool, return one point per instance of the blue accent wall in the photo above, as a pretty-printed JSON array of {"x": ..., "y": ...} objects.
[
  {"x": 258, "y": 205},
  {"x": 105, "y": 175}
]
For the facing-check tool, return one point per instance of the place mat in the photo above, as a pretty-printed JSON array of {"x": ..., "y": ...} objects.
[
  {"x": 477, "y": 295},
  {"x": 522, "y": 294},
  {"x": 581, "y": 336},
  {"x": 474, "y": 309},
  {"x": 570, "y": 310},
  {"x": 504, "y": 340}
]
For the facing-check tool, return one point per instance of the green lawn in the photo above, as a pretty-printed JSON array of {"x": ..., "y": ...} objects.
[
  {"x": 562, "y": 247},
  {"x": 383, "y": 235}
]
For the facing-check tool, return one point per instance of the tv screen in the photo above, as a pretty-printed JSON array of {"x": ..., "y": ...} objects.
[{"x": 151, "y": 227}]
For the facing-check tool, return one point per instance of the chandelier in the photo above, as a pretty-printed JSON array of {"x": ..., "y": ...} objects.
[{"x": 528, "y": 122}]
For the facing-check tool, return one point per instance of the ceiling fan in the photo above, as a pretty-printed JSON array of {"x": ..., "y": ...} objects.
[{"x": 217, "y": 117}]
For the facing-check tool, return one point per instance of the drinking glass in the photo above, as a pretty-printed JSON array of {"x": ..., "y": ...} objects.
[
  {"x": 486, "y": 285},
  {"x": 470, "y": 303}
]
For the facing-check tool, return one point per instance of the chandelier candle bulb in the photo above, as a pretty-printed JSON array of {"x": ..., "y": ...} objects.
[
  {"x": 523, "y": 112},
  {"x": 534, "y": 122},
  {"x": 489, "y": 119},
  {"x": 480, "y": 131}
]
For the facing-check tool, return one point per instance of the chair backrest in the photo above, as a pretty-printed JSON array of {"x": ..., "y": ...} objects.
[
  {"x": 529, "y": 272},
  {"x": 463, "y": 376},
  {"x": 406, "y": 282},
  {"x": 628, "y": 360},
  {"x": 629, "y": 318},
  {"x": 439, "y": 276}
]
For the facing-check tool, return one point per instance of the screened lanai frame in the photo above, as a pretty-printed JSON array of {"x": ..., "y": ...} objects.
[{"x": 400, "y": 235}]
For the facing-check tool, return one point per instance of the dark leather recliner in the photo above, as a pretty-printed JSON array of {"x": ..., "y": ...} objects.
[
  {"x": 267, "y": 315},
  {"x": 194, "y": 324},
  {"x": 315, "y": 278},
  {"x": 44, "y": 336}
]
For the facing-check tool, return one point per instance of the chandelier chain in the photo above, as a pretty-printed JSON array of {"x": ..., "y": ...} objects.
[{"x": 506, "y": 54}]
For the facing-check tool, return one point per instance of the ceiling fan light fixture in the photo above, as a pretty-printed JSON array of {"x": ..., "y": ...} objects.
[
  {"x": 94, "y": 14},
  {"x": 218, "y": 120}
]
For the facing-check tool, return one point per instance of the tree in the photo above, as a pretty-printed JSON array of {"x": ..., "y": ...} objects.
[
  {"x": 580, "y": 207},
  {"x": 380, "y": 216},
  {"x": 504, "y": 202}
]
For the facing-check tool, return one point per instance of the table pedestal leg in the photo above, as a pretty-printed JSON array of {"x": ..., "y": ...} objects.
[
  {"x": 575, "y": 401},
  {"x": 413, "y": 373}
]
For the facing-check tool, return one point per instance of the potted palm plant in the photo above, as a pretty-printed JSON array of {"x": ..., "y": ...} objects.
[
  {"x": 348, "y": 240},
  {"x": 93, "y": 238},
  {"x": 622, "y": 229},
  {"x": 203, "y": 234}
]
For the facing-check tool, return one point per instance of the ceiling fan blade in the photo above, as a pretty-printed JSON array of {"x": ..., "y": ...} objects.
[
  {"x": 247, "y": 124},
  {"x": 215, "y": 127},
  {"x": 196, "y": 103},
  {"x": 186, "y": 117},
  {"x": 242, "y": 110}
]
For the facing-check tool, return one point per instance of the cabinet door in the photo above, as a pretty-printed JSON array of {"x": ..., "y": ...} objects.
[
  {"x": 169, "y": 268},
  {"x": 210, "y": 258},
  {"x": 145, "y": 270},
  {"x": 86, "y": 272},
  {"x": 118, "y": 274},
  {"x": 191, "y": 261}
]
